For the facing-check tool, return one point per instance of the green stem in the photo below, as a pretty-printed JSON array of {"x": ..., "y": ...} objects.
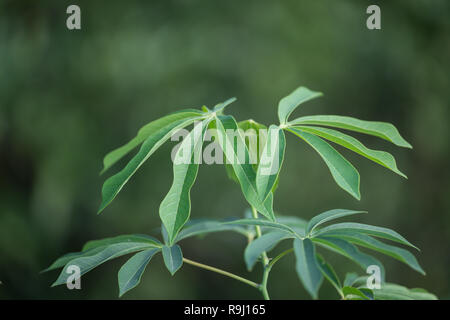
[
  {"x": 263, "y": 287},
  {"x": 267, "y": 270},
  {"x": 222, "y": 272},
  {"x": 265, "y": 261},
  {"x": 258, "y": 234},
  {"x": 278, "y": 257}
]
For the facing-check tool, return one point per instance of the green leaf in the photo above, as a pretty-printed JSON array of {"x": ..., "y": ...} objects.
[
  {"x": 160, "y": 134},
  {"x": 306, "y": 266},
  {"x": 249, "y": 126},
  {"x": 218, "y": 108},
  {"x": 349, "y": 251},
  {"x": 95, "y": 246},
  {"x": 146, "y": 131},
  {"x": 328, "y": 272},
  {"x": 343, "y": 172},
  {"x": 230, "y": 173},
  {"x": 164, "y": 234},
  {"x": 365, "y": 229},
  {"x": 368, "y": 293},
  {"x": 131, "y": 272},
  {"x": 263, "y": 223},
  {"x": 328, "y": 216},
  {"x": 176, "y": 206},
  {"x": 382, "y": 158},
  {"x": 88, "y": 262},
  {"x": 255, "y": 136},
  {"x": 270, "y": 163},
  {"x": 262, "y": 244},
  {"x": 205, "y": 226},
  {"x": 122, "y": 239},
  {"x": 297, "y": 224},
  {"x": 391, "y": 291},
  {"x": 351, "y": 293},
  {"x": 292, "y": 221},
  {"x": 366, "y": 241},
  {"x": 173, "y": 258},
  {"x": 289, "y": 103},
  {"x": 232, "y": 146},
  {"x": 381, "y": 130},
  {"x": 350, "y": 278},
  {"x": 63, "y": 260}
]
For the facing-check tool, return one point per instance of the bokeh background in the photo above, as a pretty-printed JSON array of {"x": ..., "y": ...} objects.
[{"x": 69, "y": 97}]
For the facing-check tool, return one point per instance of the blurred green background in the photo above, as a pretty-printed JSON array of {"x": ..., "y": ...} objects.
[{"x": 69, "y": 97}]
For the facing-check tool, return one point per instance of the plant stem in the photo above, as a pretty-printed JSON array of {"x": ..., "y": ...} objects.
[
  {"x": 265, "y": 261},
  {"x": 258, "y": 234},
  {"x": 266, "y": 264},
  {"x": 222, "y": 272},
  {"x": 263, "y": 287},
  {"x": 267, "y": 270},
  {"x": 278, "y": 257}
]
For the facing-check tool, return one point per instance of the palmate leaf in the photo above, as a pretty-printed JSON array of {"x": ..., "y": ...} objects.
[
  {"x": 382, "y": 158},
  {"x": 89, "y": 261},
  {"x": 381, "y": 130},
  {"x": 173, "y": 258},
  {"x": 175, "y": 208},
  {"x": 262, "y": 244},
  {"x": 244, "y": 171},
  {"x": 289, "y": 103},
  {"x": 146, "y": 131},
  {"x": 343, "y": 172},
  {"x": 364, "y": 229},
  {"x": 307, "y": 267},
  {"x": 131, "y": 272},
  {"x": 270, "y": 163},
  {"x": 328, "y": 216},
  {"x": 366, "y": 241},
  {"x": 160, "y": 134}
]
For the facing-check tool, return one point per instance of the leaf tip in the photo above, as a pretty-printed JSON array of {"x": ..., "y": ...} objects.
[
  {"x": 357, "y": 195},
  {"x": 102, "y": 207},
  {"x": 44, "y": 271}
]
